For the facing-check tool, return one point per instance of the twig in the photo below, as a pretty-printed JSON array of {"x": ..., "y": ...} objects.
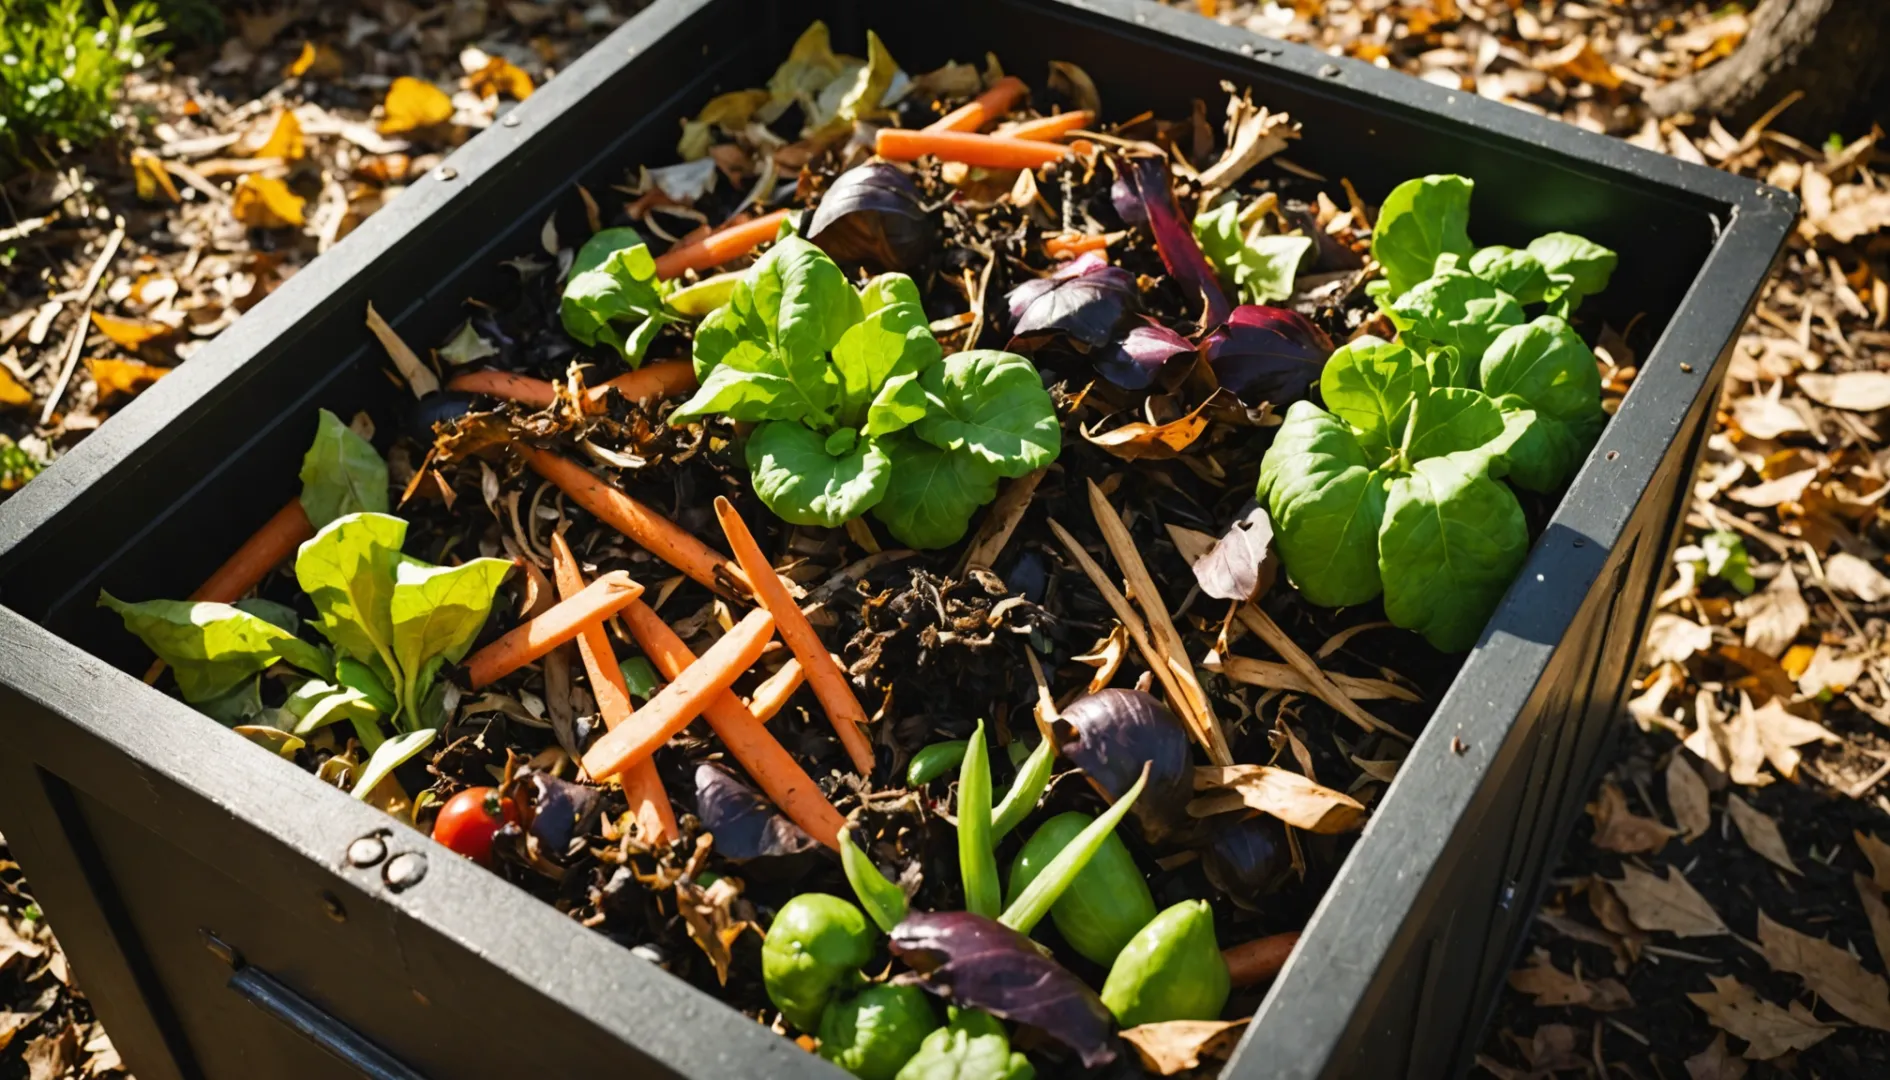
[
  {"x": 1277, "y": 639},
  {"x": 994, "y": 532},
  {"x": 75, "y": 345}
]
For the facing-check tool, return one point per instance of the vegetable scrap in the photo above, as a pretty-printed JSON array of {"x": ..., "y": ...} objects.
[{"x": 985, "y": 477}]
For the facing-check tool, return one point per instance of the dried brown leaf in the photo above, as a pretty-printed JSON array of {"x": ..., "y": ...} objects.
[
  {"x": 52, "y": 1057},
  {"x": 1551, "y": 986},
  {"x": 1176, "y": 1046},
  {"x": 1106, "y": 657},
  {"x": 1878, "y": 853},
  {"x": 1850, "y": 574},
  {"x": 1282, "y": 793},
  {"x": 116, "y": 378},
  {"x": 1687, "y": 799},
  {"x": 128, "y": 333},
  {"x": 264, "y": 202},
  {"x": 1619, "y": 829},
  {"x": 1760, "y": 833},
  {"x": 1853, "y": 391},
  {"x": 412, "y": 104},
  {"x": 420, "y": 378},
  {"x": 1140, "y": 439},
  {"x": 1774, "y": 615},
  {"x": 1877, "y": 913},
  {"x": 1253, "y": 135},
  {"x": 1241, "y": 565},
  {"x": 1830, "y": 972},
  {"x": 1777, "y": 732},
  {"x": 1765, "y": 416},
  {"x": 711, "y": 921},
  {"x": 1674, "y": 638},
  {"x": 1788, "y": 488},
  {"x": 1670, "y": 903},
  {"x": 1768, "y": 1030},
  {"x": 1272, "y": 675},
  {"x": 1716, "y": 1062},
  {"x": 16, "y": 946}
]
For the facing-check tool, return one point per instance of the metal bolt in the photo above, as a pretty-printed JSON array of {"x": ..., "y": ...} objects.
[
  {"x": 447, "y": 172},
  {"x": 1246, "y": 48},
  {"x": 1329, "y": 71},
  {"x": 511, "y": 120},
  {"x": 332, "y": 905},
  {"x": 367, "y": 851},
  {"x": 1612, "y": 454},
  {"x": 1686, "y": 368},
  {"x": 404, "y": 870}
]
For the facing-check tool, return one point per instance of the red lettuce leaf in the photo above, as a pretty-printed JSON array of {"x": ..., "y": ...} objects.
[
  {"x": 1174, "y": 238},
  {"x": 1263, "y": 353}
]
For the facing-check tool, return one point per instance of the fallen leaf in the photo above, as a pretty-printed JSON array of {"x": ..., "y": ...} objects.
[
  {"x": 1854, "y": 391},
  {"x": 1612, "y": 914},
  {"x": 1760, "y": 833},
  {"x": 1878, "y": 853},
  {"x": 52, "y": 1056},
  {"x": 1765, "y": 416},
  {"x": 314, "y": 61},
  {"x": 1716, "y": 1062},
  {"x": 1106, "y": 657},
  {"x": 1553, "y": 1048},
  {"x": 1551, "y": 986},
  {"x": 1241, "y": 565},
  {"x": 1674, "y": 638},
  {"x": 500, "y": 76},
  {"x": 285, "y": 139},
  {"x": 1830, "y": 972},
  {"x": 1788, "y": 488},
  {"x": 1254, "y": 135},
  {"x": 1830, "y": 671},
  {"x": 467, "y": 346},
  {"x": 128, "y": 333},
  {"x": 1139, "y": 439},
  {"x": 1848, "y": 573},
  {"x": 708, "y": 914},
  {"x": 1670, "y": 903},
  {"x": 1877, "y": 913},
  {"x": 1579, "y": 60},
  {"x": 1774, "y": 615},
  {"x": 1176, "y": 1046},
  {"x": 1619, "y": 829},
  {"x": 412, "y": 104},
  {"x": 1768, "y": 1030},
  {"x": 1856, "y": 218},
  {"x": 123, "y": 377},
  {"x": 263, "y": 202},
  {"x": 1282, "y": 793},
  {"x": 11, "y": 392},
  {"x": 151, "y": 177},
  {"x": 1646, "y": 708},
  {"x": 1687, "y": 799},
  {"x": 420, "y": 378},
  {"x": 16, "y": 946},
  {"x": 1711, "y": 741},
  {"x": 1778, "y": 733}
]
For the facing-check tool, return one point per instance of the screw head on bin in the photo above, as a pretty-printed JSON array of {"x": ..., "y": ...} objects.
[
  {"x": 404, "y": 870},
  {"x": 1329, "y": 71},
  {"x": 367, "y": 851}
]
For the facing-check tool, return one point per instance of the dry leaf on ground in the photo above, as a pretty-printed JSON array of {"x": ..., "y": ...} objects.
[
  {"x": 1788, "y": 488},
  {"x": 117, "y": 378},
  {"x": 1179, "y": 1045},
  {"x": 1764, "y": 416},
  {"x": 1849, "y": 574},
  {"x": 11, "y": 392},
  {"x": 1687, "y": 799},
  {"x": 1829, "y": 971},
  {"x": 1774, "y": 615},
  {"x": 1856, "y": 391},
  {"x": 1768, "y": 1030},
  {"x": 420, "y": 378},
  {"x": 1716, "y": 1062},
  {"x": 52, "y": 1056},
  {"x": 1619, "y": 829},
  {"x": 1140, "y": 439},
  {"x": 263, "y": 202},
  {"x": 14, "y": 945},
  {"x": 128, "y": 333},
  {"x": 1282, "y": 793},
  {"x": 412, "y": 104},
  {"x": 1552, "y": 986},
  {"x": 1674, "y": 637},
  {"x": 1779, "y": 733},
  {"x": 500, "y": 76},
  {"x": 1670, "y": 903},
  {"x": 1760, "y": 833},
  {"x": 1877, "y": 913},
  {"x": 285, "y": 139},
  {"x": 1878, "y": 853}
]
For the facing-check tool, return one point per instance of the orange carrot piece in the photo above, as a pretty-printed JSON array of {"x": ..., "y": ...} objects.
[
  {"x": 780, "y": 777},
  {"x": 973, "y": 115},
  {"x": 657, "y": 534},
  {"x": 829, "y": 683},
  {"x": 539, "y": 635},
  {"x": 266, "y": 549},
  {"x": 775, "y": 691},
  {"x": 683, "y": 699},
  {"x": 1258, "y": 960},
  {"x": 504, "y": 384},
  {"x": 1070, "y": 245},
  {"x": 1048, "y": 128},
  {"x": 727, "y": 243},
  {"x": 984, "y": 151},
  {"x": 656, "y": 819},
  {"x": 663, "y": 379}
]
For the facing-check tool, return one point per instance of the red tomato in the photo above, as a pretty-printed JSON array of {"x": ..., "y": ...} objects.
[{"x": 470, "y": 819}]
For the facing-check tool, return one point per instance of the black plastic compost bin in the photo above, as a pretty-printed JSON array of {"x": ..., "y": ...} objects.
[{"x": 232, "y": 917}]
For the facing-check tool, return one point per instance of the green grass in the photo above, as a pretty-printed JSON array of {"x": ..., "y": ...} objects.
[{"x": 62, "y": 63}]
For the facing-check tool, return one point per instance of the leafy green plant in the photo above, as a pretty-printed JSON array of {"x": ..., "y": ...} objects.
[
  {"x": 857, "y": 408},
  {"x": 17, "y": 465},
  {"x": 391, "y": 621},
  {"x": 972, "y": 1044},
  {"x": 1258, "y": 265},
  {"x": 61, "y": 68},
  {"x": 613, "y": 282}
]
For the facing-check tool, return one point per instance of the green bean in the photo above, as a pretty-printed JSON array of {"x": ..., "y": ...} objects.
[
  {"x": 883, "y": 900},
  {"x": 1033, "y": 776},
  {"x": 977, "y": 858},
  {"x": 1035, "y": 902},
  {"x": 934, "y": 761}
]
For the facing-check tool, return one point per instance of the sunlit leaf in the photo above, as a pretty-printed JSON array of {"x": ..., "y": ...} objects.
[
  {"x": 500, "y": 76},
  {"x": 412, "y": 104},
  {"x": 115, "y": 377},
  {"x": 129, "y": 333},
  {"x": 285, "y": 139},
  {"x": 267, "y": 203}
]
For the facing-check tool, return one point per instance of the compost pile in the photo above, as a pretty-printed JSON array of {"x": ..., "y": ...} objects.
[{"x": 1026, "y": 540}]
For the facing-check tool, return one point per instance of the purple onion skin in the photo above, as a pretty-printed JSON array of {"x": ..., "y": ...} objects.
[
  {"x": 1086, "y": 299},
  {"x": 873, "y": 218},
  {"x": 745, "y": 825},
  {"x": 980, "y": 963},
  {"x": 1264, "y": 353},
  {"x": 559, "y": 810},
  {"x": 1135, "y": 362},
  {"x": 1112, "y": 734},
  {"x": 1245, "y": 857},
  {"x": 1174, "y": 238}
]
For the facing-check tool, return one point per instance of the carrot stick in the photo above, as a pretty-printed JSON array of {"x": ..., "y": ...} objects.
[
  {"x": 1070, "y": 245},
  {"x": 265, "y": 550},
  {"x": 775, "y": 691},
  {"x": 539, "y": 635},
  {"x": 663, "y": 379},
  {"x": 973, "y": 115},
  {"x": 984, "y": 151},
  {"x": 662, "y": 537},
  {"x": 504, "y": 384},
  {"x": 683, "y": 699},
  {"x": 656, "y": 819},
  {"x": 830, "y": 685},
  {"x": 1048, "y": 128},
  {"x": 781, "y": 778},
  {"x": 726, "y": 243},
  {"x": 1260, "y": 959}
]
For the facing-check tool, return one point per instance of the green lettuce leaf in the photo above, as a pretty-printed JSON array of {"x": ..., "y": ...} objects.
[
  {"x": 1451, "y": 420},
  {"x": 341, "y": 474},
  {"x": 893, "y": 341},
  {"x": 1327, "y": 503},
  {"x": 348, "y": 571},
  {"x": 993, "y": 406},
  {"x": 613, "y": 281},
  {"x": 1517, "y": 273},
  {"x": 1260, "y": 268},
  {"x": 931, "y": 493},
  {"x": 390, "y": 755},
  {"x": 1369, "y": 383},
  {"x": 1576, "y": 267},
  {"x": 1420, "y": 220},
  {"x": 1543, "y": 453},
  {"x": 1457, "y": 310},
  {"x": 1451, "y": 542},
  {"x": 212, "y": 648},
  {"x": 435, "y": 612},
  {"x": 805, "y": 482},
  {"x": 1545, "y": 363}
]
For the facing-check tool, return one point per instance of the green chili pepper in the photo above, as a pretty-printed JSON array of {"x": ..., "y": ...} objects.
[
  {"x": 1033, "y": 776},
  {"x": 934, "y": 761},
  {"x": 972, "y": 1046},
  {"x": 1171, "y": 970},
  {"x": 874, "y": 1032},
  {"x": 1106, "y": 904},
  {"x": 884, "y": 900},
  {"x": 1035, "y": 901},
  {"x": 815, "y": 947},
  {"x": 977, "y": 859},
  {"x": 355, "y": 675}
]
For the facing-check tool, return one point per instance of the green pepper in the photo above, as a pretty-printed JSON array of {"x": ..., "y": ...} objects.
[
  {"x": 977, "y": 858},
  {"x": 815, "y": 947},
  {"x": 972, "y": 1046},
  {"x": 1106, "y": 904},
  {"x": 934, "y": 761},
  {"x": 1034, "y": 900},
  {"x": 1033, "y": 776},
  {"x": 1171, "y": 970},
  {"x": 883, "y": 899},
  {"x": 874, "y": 1032}
]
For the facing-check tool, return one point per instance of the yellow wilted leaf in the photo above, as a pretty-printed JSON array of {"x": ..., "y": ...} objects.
[
  {"x": 413, "y": 104},
  {"x": 129, "y": 333},
  {"x": 500, "y": 76},
  {"x": 285, "y": 141},
  {"x": 11, "y": 392},
  {"x": 1579, "y": 60},
  {"x": 152, "y": 177},
  {"x": 116, "y": 377},
  {"x": 265, "y": 202},
  {"x": 317, "y": 61}
]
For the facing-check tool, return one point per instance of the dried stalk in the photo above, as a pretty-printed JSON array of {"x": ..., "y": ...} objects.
[{"x": 1263, "y": 627}]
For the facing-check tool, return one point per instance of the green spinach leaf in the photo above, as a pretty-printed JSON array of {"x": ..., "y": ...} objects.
[
  {"x": 1543, "y": 452},
  {"x": 1451, "y": 542},
  {"x": 1327, "y": 502},
  {"x": 1577, "y": 267},
  {"x": 212, "y": 648},
  {"x": 1369, "y": 383},
  {"x": 1420, "y": 220},
  {"x": 1261, "y": 268},
  {"x": 613, "y": 281},
  {"x": 341, "y": 473},
  {"x": 1456, "y": 310},
  {"x": 991, "y": 405},
  {"x": 1546, "y": 365},
  {"x": 931, "y": 493},
  {"x": 1450, "y": 420},
  {"x": 806, "y": 482},
  {"x": 1518, "y": 273}
]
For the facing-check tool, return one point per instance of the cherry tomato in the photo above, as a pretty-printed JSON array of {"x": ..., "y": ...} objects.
[{"x": 470, "y": 819}]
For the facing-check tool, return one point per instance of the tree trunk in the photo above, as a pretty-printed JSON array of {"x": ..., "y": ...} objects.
[{"x": 1831, "y": 50}]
